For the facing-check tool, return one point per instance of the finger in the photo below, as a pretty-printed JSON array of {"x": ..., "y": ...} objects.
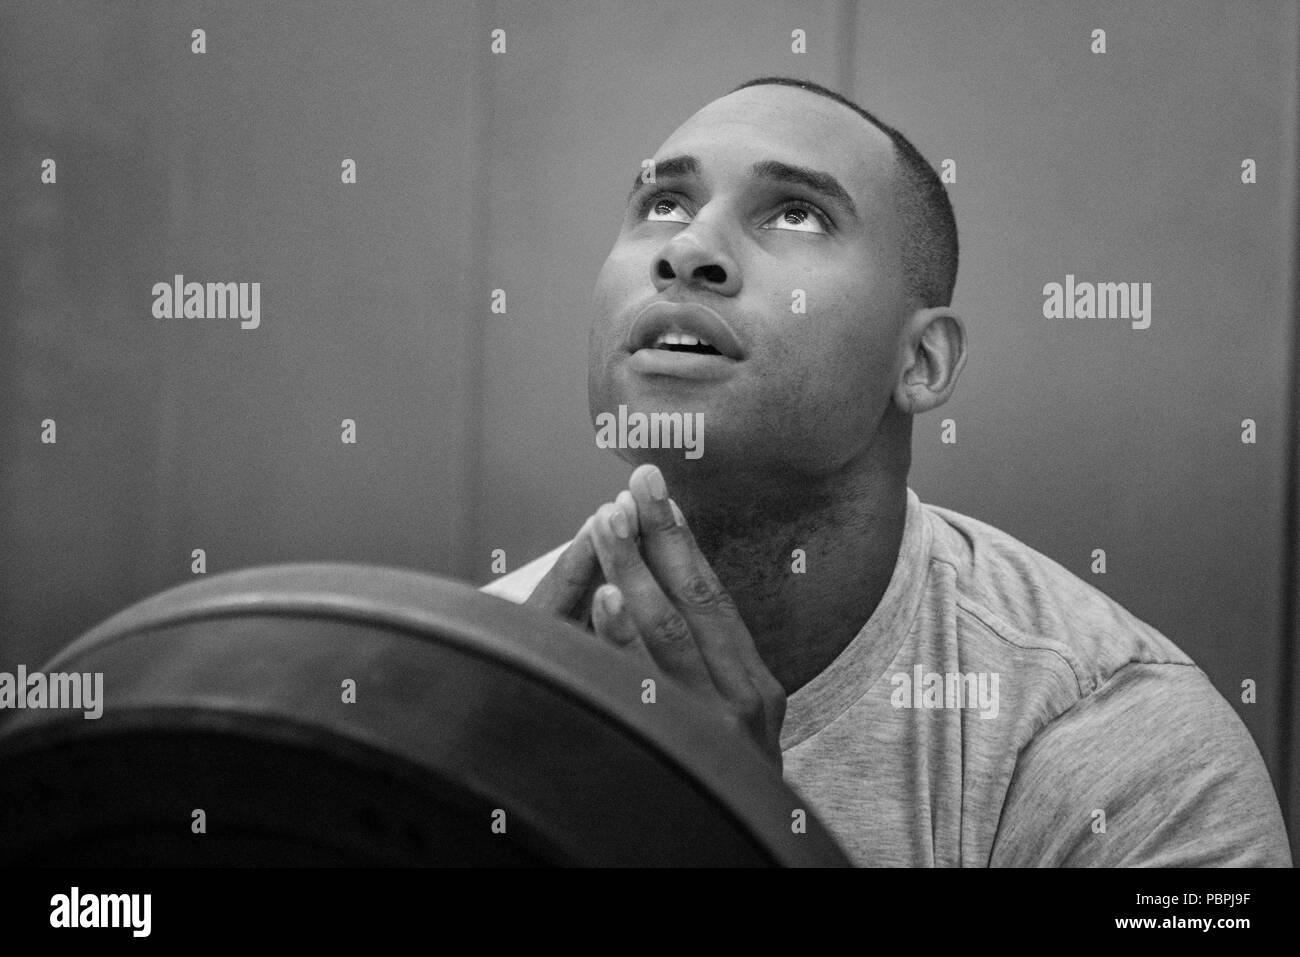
[
  {"x": 613, "y": 623},
  {"x": 693, "y": 587},
  {"x": 770, "y": 690},
  {"x": 724, "y": 640},
  {"x": 582, "y": 611},
  {"x": 573, "y": 577},
  {"x": 568, "y": 588},
  {"x": 666, "y": 635},
  {"x": 627, "y": 503}
]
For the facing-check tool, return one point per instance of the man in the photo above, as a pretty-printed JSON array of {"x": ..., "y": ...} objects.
[{"x": 940, "y": 693}]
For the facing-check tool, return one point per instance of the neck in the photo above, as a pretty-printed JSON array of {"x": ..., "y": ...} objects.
[{"x": 801, "y": 612}]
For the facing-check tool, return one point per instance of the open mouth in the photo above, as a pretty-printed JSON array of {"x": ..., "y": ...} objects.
[
  {"x": 684, "y": 328},
  {"x": 685, "y": 342}
]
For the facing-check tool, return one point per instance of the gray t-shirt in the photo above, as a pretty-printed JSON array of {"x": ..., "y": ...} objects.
[{"x": 998, "y": 710}]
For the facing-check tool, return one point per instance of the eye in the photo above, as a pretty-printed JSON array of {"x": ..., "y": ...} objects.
[
  {"x": 795, "y": 215},
  {"x": 800, "y": 217},
  {"x": 660, "y": 208}
]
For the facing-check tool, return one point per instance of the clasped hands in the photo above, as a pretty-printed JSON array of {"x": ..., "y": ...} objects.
[{"x": 660, "y": 601}]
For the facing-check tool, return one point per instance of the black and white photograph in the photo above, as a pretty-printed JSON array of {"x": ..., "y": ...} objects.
[{"x": 649, "y": 434}]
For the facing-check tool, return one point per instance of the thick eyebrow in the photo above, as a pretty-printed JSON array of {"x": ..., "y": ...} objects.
[
  {"x": 673, "y": 166},
  {"x": 774, "y": 170},
  {"x": 820, "y": 182}
]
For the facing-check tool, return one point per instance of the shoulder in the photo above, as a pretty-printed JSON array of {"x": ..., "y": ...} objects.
[
  {"x": 1154, "y": 768},
  {"x": 517, "y": 585},
  {"x": 1015, "y": 596},
  {"x": 1129, "y": 755}
]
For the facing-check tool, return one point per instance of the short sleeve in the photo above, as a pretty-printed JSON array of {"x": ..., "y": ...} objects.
[{"x": 1153, "y": 769}]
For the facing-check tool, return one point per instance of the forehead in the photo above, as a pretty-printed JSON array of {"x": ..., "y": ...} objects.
[{"x": 791, "y": 125}]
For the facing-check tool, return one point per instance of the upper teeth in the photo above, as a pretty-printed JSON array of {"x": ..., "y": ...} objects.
[{"x": 680, "y": 339}]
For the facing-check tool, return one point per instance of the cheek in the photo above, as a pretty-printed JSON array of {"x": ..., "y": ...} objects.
[
  {"x": 613, "y": 288},
  {"x": 601, "y": 295},
  {"x": 863, "y": 366},
  {"x": 844, "y": 339},
  {"x": 615, "y": 284},
  {"x": 841, "y": 369}
]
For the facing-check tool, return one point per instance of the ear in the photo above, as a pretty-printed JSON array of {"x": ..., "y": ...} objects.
[{"x": 932, "y": 348}]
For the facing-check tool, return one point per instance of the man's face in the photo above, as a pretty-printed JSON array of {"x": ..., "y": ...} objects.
[{"x": 800, "y": 391}]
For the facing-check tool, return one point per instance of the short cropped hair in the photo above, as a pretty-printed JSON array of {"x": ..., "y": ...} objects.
[{"x": 929, "y": 227}]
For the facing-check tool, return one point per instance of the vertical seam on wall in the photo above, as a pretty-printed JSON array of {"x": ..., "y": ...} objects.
[
  {"x": 1287, "y": 779},
  {"x": 169, "y": 458},
  {"x": 476, "y": 169},
  {"x": 847, "y": 16}
]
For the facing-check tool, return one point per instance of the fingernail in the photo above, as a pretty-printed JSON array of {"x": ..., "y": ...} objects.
[
  {"x": 677, "y": 513},
  {"x": 655, "y": 480},
  {"x": 612, "y": 599},
  {"x": 620, "y": 524}
]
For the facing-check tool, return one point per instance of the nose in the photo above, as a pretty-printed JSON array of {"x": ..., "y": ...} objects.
[{"x": 696, "y": 259}]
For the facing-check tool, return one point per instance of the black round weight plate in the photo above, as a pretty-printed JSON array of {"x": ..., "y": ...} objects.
[{"x": 481, "y": 733}]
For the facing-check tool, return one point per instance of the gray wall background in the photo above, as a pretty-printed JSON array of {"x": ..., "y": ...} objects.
[{"x": 480, "y": 171}]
